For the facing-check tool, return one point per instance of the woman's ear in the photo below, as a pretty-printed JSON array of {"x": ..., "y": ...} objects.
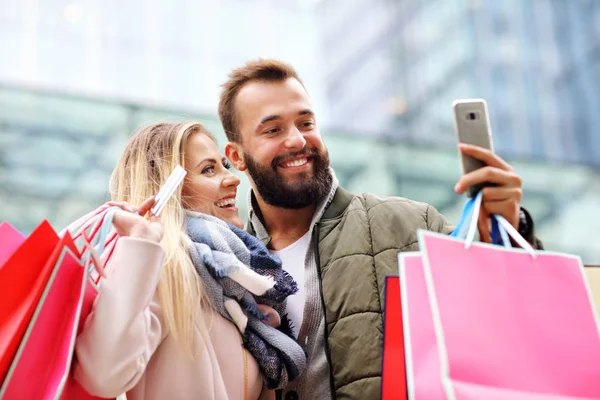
[{"x": 234, "y": 154}]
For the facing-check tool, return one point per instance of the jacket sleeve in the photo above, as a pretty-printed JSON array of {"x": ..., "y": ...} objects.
[
  {"x": 124, "y": 327},
  {"x": 527, "y": 229},
  {"x": 436, "y": 222}
]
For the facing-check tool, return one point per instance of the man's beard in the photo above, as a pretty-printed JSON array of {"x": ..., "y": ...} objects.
[{"x": 307, "y": 190}]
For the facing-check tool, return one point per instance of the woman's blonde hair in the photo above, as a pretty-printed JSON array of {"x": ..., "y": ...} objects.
[{"x": 148, "y": 160}]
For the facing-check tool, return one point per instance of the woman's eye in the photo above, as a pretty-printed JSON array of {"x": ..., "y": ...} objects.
[
  {"x": 208, "y": 169},
  {"x": 226, "y": 164}
]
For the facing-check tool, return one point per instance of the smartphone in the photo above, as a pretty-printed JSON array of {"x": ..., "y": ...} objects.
[{"x": 472, "y": 125}]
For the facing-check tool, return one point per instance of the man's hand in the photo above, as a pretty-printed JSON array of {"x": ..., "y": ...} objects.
[{"x": 503, "y": 199}]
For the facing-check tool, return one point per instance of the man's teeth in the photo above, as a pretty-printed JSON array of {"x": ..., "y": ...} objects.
[
  {"x": 296, "y": 163},
  {"x": 226, "y": 202}
]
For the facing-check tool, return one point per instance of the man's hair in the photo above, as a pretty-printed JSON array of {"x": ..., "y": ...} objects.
[{"x": 265, "y": 70}]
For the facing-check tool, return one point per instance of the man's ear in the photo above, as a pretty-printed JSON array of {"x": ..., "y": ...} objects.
[{"x": 234, "y": 154}]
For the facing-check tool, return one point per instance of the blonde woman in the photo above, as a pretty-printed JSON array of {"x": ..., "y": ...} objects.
[{"x": 187, "y": 308}]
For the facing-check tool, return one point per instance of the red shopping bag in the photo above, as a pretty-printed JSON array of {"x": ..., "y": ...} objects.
[
  {"x": 23, "y": 278},
  {"x": 393, "y": 379},
  {"x": 41, "y": 368},
  {"x": 45, "y": 353},
  {"x": 10, "y": 240}
]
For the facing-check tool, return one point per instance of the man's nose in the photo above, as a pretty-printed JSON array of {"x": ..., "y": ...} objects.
[{"x": 295, "y": 140}]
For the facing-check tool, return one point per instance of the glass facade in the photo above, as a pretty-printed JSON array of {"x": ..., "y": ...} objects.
[
  {"x": 82, "y": 76},
  {"x": 396, "y": 67},
  {"x": 57, "y": 152},
  {"x": 171, "y": 53}
]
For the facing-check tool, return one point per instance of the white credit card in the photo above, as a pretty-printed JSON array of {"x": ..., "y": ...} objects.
[{"x": 165, "y": 192}]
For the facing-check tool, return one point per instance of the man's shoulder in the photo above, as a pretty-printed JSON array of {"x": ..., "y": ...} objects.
[
  {"x": 398, "y": 210},
  {"x": 384, "y": 210},
  {"x": 373, "y": 202}
]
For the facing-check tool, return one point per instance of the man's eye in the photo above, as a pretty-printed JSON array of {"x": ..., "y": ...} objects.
[{"x": 272, "y": 131}]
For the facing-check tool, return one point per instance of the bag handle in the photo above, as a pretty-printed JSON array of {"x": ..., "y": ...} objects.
[
  {"x": 76, "y": 227},
  {"x": 501, "y": 232},
  {"x": 98, "y": 245}
]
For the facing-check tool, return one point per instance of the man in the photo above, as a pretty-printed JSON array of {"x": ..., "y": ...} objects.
[{"x": 338, "y": 246}]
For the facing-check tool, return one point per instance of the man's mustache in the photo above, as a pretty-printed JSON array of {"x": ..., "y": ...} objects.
[{"x": 314, "y": 153}]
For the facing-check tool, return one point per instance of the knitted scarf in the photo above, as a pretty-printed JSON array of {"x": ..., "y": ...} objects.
[{"x": 238, "y": 273}]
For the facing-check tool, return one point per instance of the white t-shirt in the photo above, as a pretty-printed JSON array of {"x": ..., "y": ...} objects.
[{"x": 293, "y": 258}]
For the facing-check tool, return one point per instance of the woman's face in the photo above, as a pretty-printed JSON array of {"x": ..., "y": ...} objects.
[{"x": 209, "y": 187}]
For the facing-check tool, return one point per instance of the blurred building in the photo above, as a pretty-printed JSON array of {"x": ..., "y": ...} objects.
[
  {"x": 80, "y": 77},
  {"x": 168, "y": 53},
  {"x": 395, "y": 67}
]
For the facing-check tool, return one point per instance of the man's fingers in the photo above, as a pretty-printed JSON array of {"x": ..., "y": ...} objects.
[
  {"x": 487, "y": 175},
  {"x": 485, "y": 155},
  {"x": 509, "y": 209},
  {"x": 502, "y": 193}
]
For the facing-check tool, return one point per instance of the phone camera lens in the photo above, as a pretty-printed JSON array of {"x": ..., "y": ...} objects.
[{"x": 472, "y": 115}]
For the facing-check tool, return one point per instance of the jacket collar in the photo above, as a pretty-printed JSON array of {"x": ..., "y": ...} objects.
[{"x": 340, "y": 202}]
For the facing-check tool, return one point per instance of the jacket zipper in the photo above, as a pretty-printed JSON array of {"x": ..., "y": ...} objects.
[{"x": 318, "y": 265}]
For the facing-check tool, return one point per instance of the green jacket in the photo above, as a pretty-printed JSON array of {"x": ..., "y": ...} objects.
[{"x": 359, "y": 238}]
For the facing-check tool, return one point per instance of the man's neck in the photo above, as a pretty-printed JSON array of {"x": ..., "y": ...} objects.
[{"x": 285, "y": 225}]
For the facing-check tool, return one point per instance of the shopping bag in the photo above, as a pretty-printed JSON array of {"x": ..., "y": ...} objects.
[
  {"x": 41, "y": 365},
  {"x": 510, "y": 323},
  {"x": 10, "y": 240},
  {"x": 423, "y": 364},
  {"x": 592, "y": 273},
  {"x": 45, "y": 354},
  {"x": 23, "y": 278},
  {"x": 393, "y": 383},
  {"x": 103, "y": 239}
]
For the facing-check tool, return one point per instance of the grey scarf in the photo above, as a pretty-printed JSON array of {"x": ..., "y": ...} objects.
[{"x": 238, "y": 273}]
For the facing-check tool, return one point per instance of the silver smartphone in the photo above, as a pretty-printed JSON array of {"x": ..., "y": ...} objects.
[{"x": 472, "y": 125}]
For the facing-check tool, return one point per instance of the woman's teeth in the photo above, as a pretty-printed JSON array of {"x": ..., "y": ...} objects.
[{"x": 226, "y": 203}]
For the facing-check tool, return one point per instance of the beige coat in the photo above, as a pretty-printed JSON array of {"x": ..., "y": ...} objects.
[{"x": 125, "y": 347}]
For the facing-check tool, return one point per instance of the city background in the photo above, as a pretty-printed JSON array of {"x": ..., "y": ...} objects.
[{"x": 78, "y": 77}]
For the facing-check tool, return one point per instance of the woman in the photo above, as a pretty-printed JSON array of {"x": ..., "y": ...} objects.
[{"x": 176, "y": 317}]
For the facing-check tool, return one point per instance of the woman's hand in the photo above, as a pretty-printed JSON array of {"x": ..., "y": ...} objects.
[{"x": 132, "y": 223}]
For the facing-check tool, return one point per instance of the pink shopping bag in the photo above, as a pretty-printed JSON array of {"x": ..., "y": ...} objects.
[
  {"x": 510, "y": 323},
  {"x": 423, "y": 363},
  {"x": 10, "y": 240}
]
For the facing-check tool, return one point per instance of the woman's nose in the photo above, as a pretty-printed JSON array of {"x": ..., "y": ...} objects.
[{"x": 230, "y": 179}]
